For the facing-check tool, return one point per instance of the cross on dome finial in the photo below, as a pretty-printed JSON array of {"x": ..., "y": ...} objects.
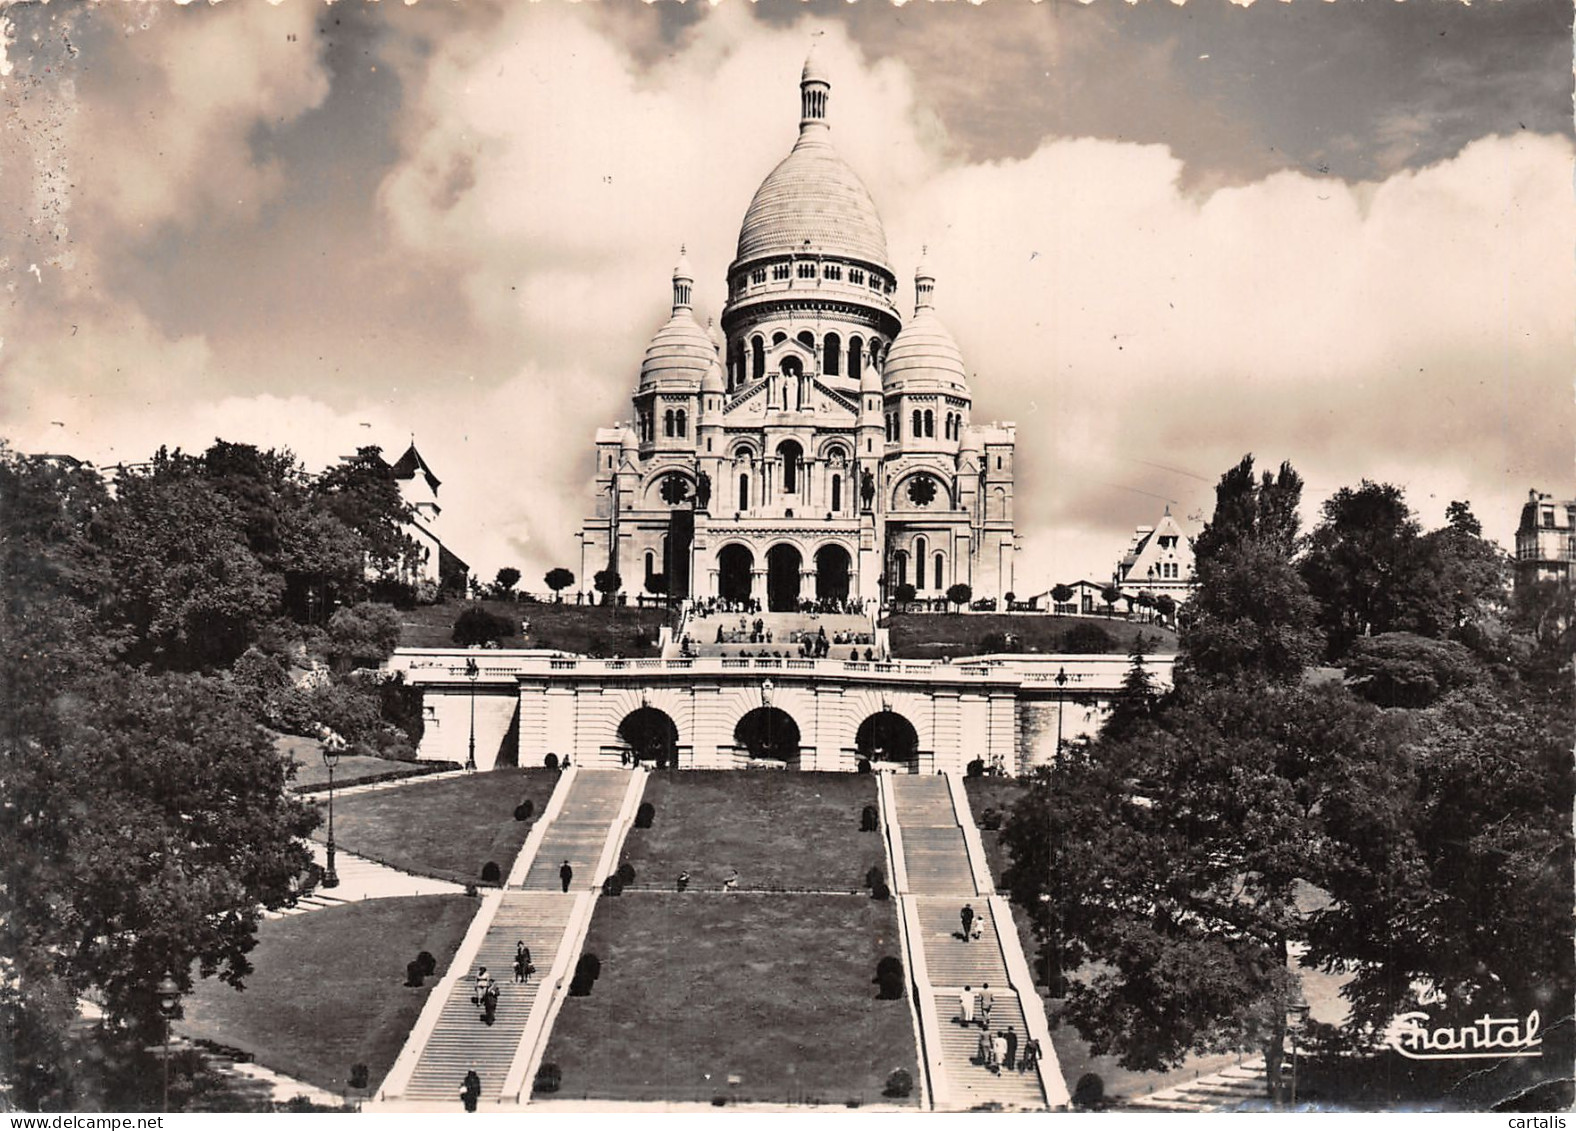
[
  {"x": 683, "y": 282},
  {"x": 924, "y": 283}
]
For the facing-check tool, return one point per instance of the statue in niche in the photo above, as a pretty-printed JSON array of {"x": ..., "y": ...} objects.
[{"x": 867, "y": 489}]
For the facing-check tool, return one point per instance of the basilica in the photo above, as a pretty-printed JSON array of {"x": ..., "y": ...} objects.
[{"x": 817, "y": 447}]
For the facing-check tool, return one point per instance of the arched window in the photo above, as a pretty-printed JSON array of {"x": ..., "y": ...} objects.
[
  {"x": 681, "y": 424},
  {"x": 919, "y": 563},
  {"x": 651, "y": 564},
  {"x": 779, "y": 338},
  {"x": 757, "y": 358},
  {"x": 831, "y": 354},
  {"x": 919, "y": 424},
  {"x": 807, "y": 339},
  {"x": 791, "y": 454},
  {"x": 667, "y": 423},
  {"x": 837, "y": 493},
  {"x": 941, "y": 571},
  {"x": 855, "y": 358},
  {"x": 930, "y": 423},
  {"x": 900, "y": 567},
  {"x": 744, "y": 492}
]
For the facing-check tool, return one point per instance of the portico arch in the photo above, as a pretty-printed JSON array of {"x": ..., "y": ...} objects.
[
  {"x": 888, "y": 737},
  {"x": 832, "y": 564},
  {"x": 651, "y": 735},
  {"x": 782, "y": 578},
  {"x": 735, "y": 571},
  {"x": 769, "y": 734}
]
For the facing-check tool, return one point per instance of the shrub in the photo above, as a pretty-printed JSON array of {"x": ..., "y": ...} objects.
[
  {"x": 470, "y": 890},
  {"x": 363, "y": 635},
  {"x": 524, "y": 810},
  {"x": 898, "y": 1085},
  {"x": 864, "y": 765},
  {"x": 358, "y": 1076},
  {"x": 612, "y": 886},
  {"x": 626, "y": 873},
  {"x": 879, "y": 891},
  {"x": 551, "y": 761},
  {"x": 587, "y": 971},
  {"x": 1090, "y": 1092},
  {"x": 548, "y": 1079},
  {"x": 477, "y": 626},
  {"x": 491, "y": 873},
  {"x": 429, "y": 964},
  {"x": 719, "y": 1101},
  {"x": 889, "y": 977},
  {"x": 874, "y": 876},
  {"x": 869, "y": 822},
  {"x": 414, "y": 975},
  {"x": 990, "y": 820},
  {"x": 975, "y": 769},
  {"x": 645, "y": 815},
  {"x": 1088, "y": 639}
]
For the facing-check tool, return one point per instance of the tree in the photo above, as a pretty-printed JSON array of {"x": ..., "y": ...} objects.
[
  {"x": 1088, "y": 639},
  {"x": 607, "y": 583},
  {"x": 1251, "y": 615},
  {"x": 558, "y": 579},
  {"x": 363, "y": 635},
  {"x": 478, "y": 626},
  {"x": 505, "y": 581},
  {"x": 657, "y": 584},
  {"x": 1361, "y": 560},
  {"x": 159, "y": 826},
  {"x": 959, "y": 594},
  {"x": 1400, "y": 669},
  {"x": 1061, "y": 594},
  {"x": 1110, "y": 595},
  {"x": 1166, "y": 606},
  {"x": 905, "y": 593},
  {"x": 362, "y": 493},
  {"x": 1136, "y": 701}
]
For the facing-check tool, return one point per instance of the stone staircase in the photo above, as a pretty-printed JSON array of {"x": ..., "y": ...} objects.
[
  {"x": 933, "y": 849},
  {"x": 971, "y": 1084},
  {"x": 461, "y": 1042},
  {"x": 579, "y": 832},
  {"x": 1242, "y": 1086}
]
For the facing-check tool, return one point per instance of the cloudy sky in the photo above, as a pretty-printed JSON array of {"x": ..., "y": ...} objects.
[{"x": 1334, "y": 233}]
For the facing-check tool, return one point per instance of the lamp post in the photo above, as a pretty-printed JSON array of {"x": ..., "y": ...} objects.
[
  {"x": 472, "y": 672},
  {"x": 1296, "y": 1018},
  {"x": 169, "y": 997},
  {"x": 1061, "y": 705},
  {"x": 333, "y": 747}
]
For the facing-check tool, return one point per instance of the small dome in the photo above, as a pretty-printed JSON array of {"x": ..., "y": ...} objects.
[
  {"x": 712, "y": 382},
  {"x": 923, "y": 356},
  {"x": 629, "y": 441},
  {"x": 814, "y": 70},
  {"x": 870, "y": 380},
  {"x": 679, "y": 353}
]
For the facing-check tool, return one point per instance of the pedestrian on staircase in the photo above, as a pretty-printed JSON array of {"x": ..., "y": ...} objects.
[
  {"x": 967, "y": 916},
  {"x": 522, "y": 962},
  {"x": 982, "y": 1051},
  {"x": 966, "y": 1007},
  {"x": 490, "y": 1004},
  {"x": 1031, "y": 1056},
  {"x": 998, "y": 1052},
  {"x": 471, "y": 1090},
  {"x": 987, "y": 999},
  {"x": 566, "y": 874},
  {"x": 1012, "y": 1050}
]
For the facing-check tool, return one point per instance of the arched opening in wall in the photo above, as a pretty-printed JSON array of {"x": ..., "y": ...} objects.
[
  {"x": 832, "y": 355},
  {"x": 900, "y": 568},
  {"x": 744, "y": 492},
  {"x": 941, "y": 571},
  {"x": 919, "y": 425},
  {"x": 792, "y": 456},
  {"x": 806, "y": 339},
  {"x": 919, "y": 563},
  {"x": 837, "y": 494},
  {"x": 651, "y": 564},
  {"x": 889, "y": 737},
  {"x": 651, "y": 736},
  {"x": 782, "y": 578},
  {"x": 768, "y": 735},
  {"x": 757, "y": 359},
  {"x": 735, "y": 568},
  {"x": 832, "y": 564},
  {"x": 779, "y": 338},
  {"x": 855, "y": 359}
]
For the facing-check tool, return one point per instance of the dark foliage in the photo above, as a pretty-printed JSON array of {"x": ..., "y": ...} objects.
[
  {"x": 1088, "y": 639},
  {"x": 478, "y": 626},
  {"x": 645, "y": 815},
  {"x": 491, "y": 873}
]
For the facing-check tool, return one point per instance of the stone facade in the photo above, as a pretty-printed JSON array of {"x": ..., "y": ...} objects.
[
  {"x": 1546, "y": 540},
  {"x": 814, "y": 447}
]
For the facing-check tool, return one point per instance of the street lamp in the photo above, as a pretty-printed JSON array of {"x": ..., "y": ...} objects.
[
  {"x": 169, "y": 997},
  {"x": 1296, "y": 1018},
  {"x": 1061, "y": 705},
  {"x": 333, "y": 747},
  {"x": 471, "y": 673}
]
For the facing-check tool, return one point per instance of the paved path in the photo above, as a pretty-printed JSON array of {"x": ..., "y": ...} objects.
[
  {"x": 360, "y": 878},
  {"x": 1228, "y": 1090},
  {"x": 940, "y": 882}
]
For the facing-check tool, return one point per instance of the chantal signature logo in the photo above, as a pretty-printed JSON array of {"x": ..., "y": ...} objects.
[{"x": 1412, "y": 1035}]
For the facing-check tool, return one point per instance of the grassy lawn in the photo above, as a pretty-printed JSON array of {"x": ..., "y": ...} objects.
[
  {"x": 760, "y": 998},
  {"x": 447, "y": 828},
  {"x": 1000, "y": 794},
  {"x": 782, "y": 831},
  {"x": 929, "y": 636},
  {"x": 591, "y": 630},
  {"x": 328, "y": 987}
]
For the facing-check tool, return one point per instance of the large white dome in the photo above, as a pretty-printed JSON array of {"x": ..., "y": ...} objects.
[{"x": 813, "y": 201}]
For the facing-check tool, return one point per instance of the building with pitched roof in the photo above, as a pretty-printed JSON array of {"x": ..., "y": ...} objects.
[
  {"x": 1158, "y": 561},
  {"x": 815, "y": 446},
  {"x": 1546, "y": 540}
]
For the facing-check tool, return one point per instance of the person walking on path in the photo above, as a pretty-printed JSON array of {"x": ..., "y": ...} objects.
[
  {"x": 484, "y": 986},
  {"x": 982, "y": 1051},
  {"x": 730, "y": 882},
  {"x": 1010, "y": 1062},
  {"x": 1031, "y": 1056},
  {"x": 998, "y": 1053},
  {"x": 471, "y": 1090},
  {"x": 566, "y": 874},
  {"x": 966, "y": 1007},
  {"x": 987, "y": 999},
  {"x": 967, "y": 916},
  {"x": 490, "y": 1004},
  {"x": 522, "y": 962}
]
